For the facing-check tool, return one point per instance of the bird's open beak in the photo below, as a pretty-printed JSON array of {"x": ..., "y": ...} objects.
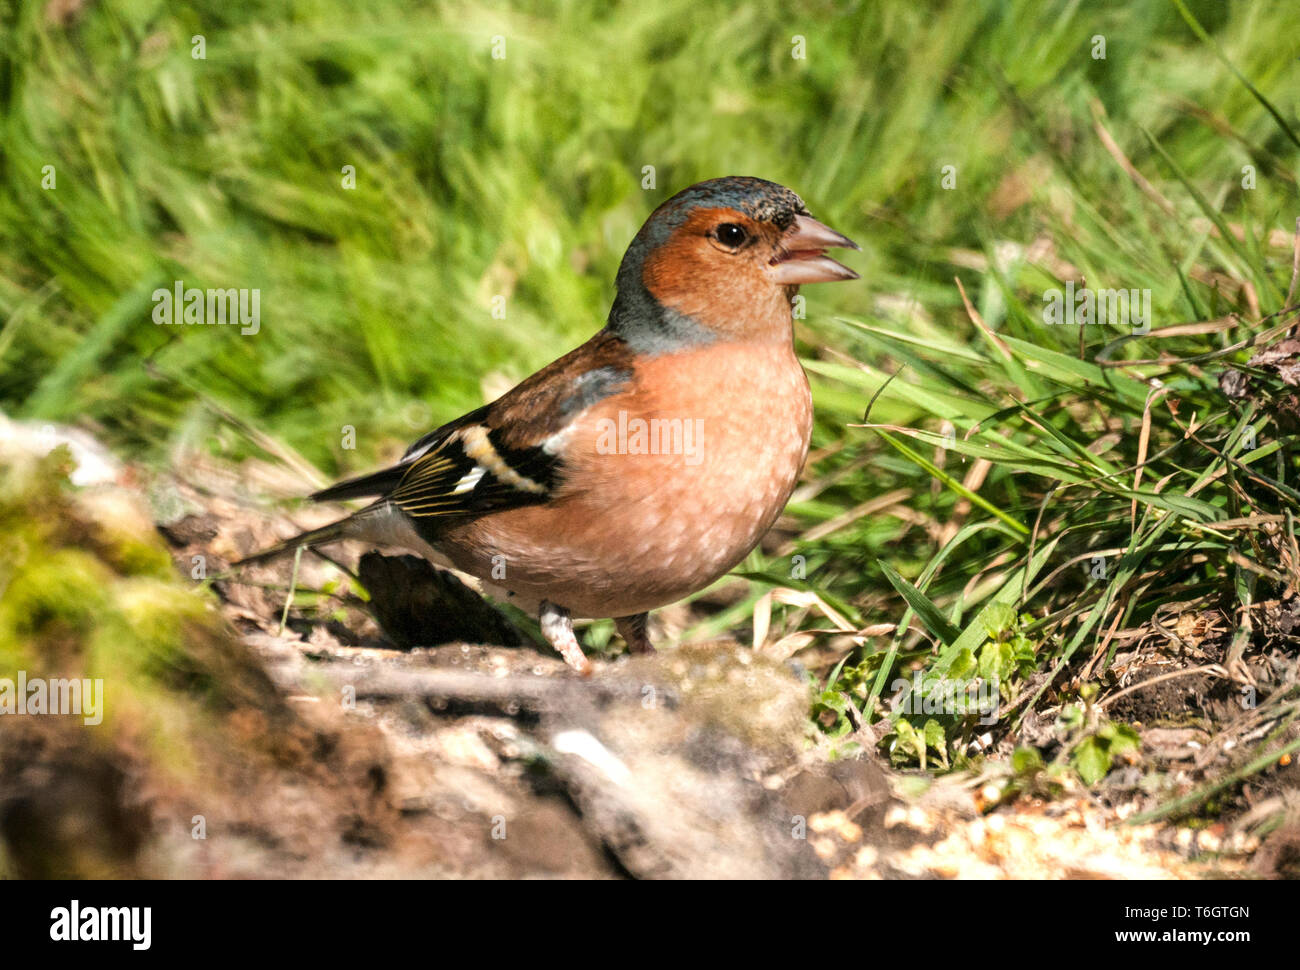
[{"x": 803, "y": 256}]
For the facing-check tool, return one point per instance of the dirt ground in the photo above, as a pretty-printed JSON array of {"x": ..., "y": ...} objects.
[{"x": 333, "y": 752}]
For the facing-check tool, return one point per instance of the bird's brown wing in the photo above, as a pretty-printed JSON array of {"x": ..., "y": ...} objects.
[{"x": 506, "y": 454}]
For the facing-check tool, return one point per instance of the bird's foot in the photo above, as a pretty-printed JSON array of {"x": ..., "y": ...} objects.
[
  {"x": 635, "y": 631},
  {"x": 557, "y": 627}
]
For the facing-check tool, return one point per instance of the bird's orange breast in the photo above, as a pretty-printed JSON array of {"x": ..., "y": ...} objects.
[{"x": 667, "y": 485}]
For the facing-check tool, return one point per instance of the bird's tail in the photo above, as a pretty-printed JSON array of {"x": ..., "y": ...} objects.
[{"x": 312, "y": 537}]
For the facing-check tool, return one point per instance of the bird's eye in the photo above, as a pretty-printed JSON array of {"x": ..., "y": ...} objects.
[{"x": 730, "y": 234}]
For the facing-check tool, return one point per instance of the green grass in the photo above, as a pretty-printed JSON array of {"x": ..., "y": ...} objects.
[{"x": 521, "y": 178}]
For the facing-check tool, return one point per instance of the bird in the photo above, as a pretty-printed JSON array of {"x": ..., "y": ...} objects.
[{"x": 647, "y": 463}]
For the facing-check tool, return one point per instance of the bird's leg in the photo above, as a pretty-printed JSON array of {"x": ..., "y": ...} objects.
[
  {"x": 557, "y": 627},
  {"x": 634, "y": 629}
]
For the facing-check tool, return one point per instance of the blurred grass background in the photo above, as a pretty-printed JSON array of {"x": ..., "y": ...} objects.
[{"x": 522, "y": 176}]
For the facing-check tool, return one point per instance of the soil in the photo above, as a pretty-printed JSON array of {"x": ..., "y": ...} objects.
[{"x": 344, "y": 751}]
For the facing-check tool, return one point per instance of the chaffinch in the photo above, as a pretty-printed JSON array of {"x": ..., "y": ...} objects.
[{"x": 645, "y": 464}]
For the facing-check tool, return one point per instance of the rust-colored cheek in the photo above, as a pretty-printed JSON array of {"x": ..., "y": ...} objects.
[{"x": 721, "y": 290}]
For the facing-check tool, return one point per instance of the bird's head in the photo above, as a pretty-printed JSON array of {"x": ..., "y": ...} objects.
[{"x": 722, "y": 259}]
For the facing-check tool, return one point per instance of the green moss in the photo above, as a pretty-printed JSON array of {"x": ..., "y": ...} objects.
[
  {"x": 151, "y": 632},
  {"x": 132, "y": 556},
  {"x": 56, "y": 593},
  {"x": 89, "y": 590},
  {"x": 750, "y": 696}
]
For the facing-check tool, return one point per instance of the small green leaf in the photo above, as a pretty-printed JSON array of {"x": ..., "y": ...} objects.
[
  {"x": 1026, "y": 761},
  {"x": 934, "y": 736},
  {"x": 934, "y": 620},
  {"x": 1091, "y": 760},
  {"x": 998, "y": 619}
]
